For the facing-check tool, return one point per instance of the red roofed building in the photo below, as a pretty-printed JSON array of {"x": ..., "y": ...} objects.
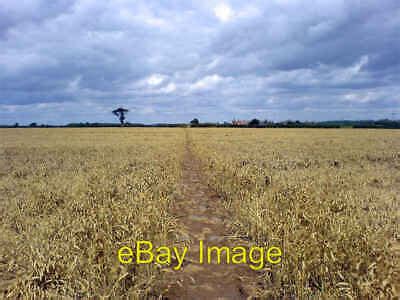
[{"x": 240, "y": 123}]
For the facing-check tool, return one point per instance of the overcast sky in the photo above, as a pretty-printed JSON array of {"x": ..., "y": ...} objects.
[{"x": 170, "y": 61}]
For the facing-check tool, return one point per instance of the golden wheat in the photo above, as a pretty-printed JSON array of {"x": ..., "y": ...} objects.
[
  {"x": 330, "y": 198},
  {"x": 71, "y": 197}
]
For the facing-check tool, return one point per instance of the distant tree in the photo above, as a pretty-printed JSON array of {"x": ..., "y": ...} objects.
[
  {"x": 120, "y": 113},
  {"x": 254, "y": 123},
  {"x": 33, "y": 124},
  {"x": 268, "y": 123},
  {"x": 16, "y": 125},
  {"x": 194, "y": 122}
]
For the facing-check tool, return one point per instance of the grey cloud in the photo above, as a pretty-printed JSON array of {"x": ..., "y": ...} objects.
[{"x": 267, "y": 59}]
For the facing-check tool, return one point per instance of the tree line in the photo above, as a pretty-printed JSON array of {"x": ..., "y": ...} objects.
[
  {"x": 121, "y": 112},
  {"x": 254, "y": 123}
]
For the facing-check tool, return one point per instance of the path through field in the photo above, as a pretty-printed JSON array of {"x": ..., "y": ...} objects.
[{"x": 202, "y": 216}]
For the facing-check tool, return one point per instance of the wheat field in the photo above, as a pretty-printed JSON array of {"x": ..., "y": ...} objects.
[
  {"x": 329, "y": 197},
  {"x": 69, "y": 198}
]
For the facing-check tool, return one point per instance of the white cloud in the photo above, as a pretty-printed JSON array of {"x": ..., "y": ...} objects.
[
  {"x": 155, "y": 79},
  {"x": 355, "y": 71},
  {"x": 364, "y": 96},
  {"x": 224, "y": 12},
  {"x": 359, "y": 65},
  {"x": 213, "y": 64},
  {"x": 73, "y": 85},
  {"x": 171, "y": 87},
  {"x": 206, "y": 83},
  {"x": 143, "y": 16}
]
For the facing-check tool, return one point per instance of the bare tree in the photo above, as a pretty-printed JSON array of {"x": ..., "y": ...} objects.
[{"x": 120, "y": 113}]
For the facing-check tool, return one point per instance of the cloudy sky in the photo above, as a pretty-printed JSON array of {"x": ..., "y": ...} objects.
[{"x": 169, "y": 61}]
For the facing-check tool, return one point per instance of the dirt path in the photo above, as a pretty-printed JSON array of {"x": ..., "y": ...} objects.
[{"x": 201, "y": 216}]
